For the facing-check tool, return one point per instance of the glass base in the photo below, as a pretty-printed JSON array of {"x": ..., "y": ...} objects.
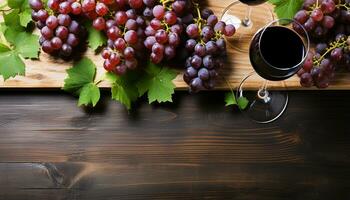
[
  {"x": 262, "y": 105},
  {"x": 236, "y": 14}
]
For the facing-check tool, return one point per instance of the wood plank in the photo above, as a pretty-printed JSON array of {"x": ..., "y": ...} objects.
[
  {"x": 50, "y": 73},
  {"x": 192, "y": 149}
]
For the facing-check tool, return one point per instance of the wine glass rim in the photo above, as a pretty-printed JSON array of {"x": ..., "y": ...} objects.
[{"x": 307, "y": 49}]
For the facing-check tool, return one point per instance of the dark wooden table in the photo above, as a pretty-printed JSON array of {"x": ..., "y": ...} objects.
[{"x": 192, "y": 149}]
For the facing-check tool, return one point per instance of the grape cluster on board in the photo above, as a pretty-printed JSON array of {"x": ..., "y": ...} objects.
[
  {"x": 60, "y": 32},
  {"x": 328, "y": 24},
  {"x": 137, "y": 31}
]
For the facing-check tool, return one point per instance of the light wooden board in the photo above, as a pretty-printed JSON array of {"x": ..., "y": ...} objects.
[{"x": 48, "y": 72}]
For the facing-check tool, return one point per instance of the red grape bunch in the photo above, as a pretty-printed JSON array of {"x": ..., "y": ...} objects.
[
  {"x": 319, "y": 67},
  {"x": 59, "y": 32},
  {"x": 164, "y": 29},
  {"x": 322, "y": 17},
  {"x": 328, "y": 23},
  {"x": 125, "y": 41},
  {"x": 208, "y": 49}
]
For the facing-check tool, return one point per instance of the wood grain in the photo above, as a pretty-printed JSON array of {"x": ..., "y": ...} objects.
[
  {"x": 50, "y": 73},
  {"x": 194, "y": 148}
]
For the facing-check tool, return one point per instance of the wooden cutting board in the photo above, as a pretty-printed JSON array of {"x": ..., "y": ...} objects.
[{"x": 48, "y": 72}]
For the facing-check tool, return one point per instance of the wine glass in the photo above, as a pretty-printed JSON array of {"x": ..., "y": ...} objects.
[
  {"x": 248, "y": 16},
  {"x": 276, "y": 53}
]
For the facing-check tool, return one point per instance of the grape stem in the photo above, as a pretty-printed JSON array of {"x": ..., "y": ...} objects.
[
  {"x": 341, "y": 43},
  {"x": 344, "y": 5}
]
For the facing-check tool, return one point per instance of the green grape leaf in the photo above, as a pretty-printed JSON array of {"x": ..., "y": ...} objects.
[
  {"x": 157, "y": 83},
  {"x": 96, "y": 38},
  {"x": 89, "y": 95},
  {"x": 83, "y": 72},
  {"x": 27, "y": 45},
  {"x": 12, "y": 21},
  {"x": 230, "y": 99},
  {"x": 286, "y": 9},
  {"x": 242, "y": 102},
  {"x": 123, "y": 88},
  {"x": 15, "y": 3},
  {"x": 23, "y": 10},
  {"x": 25, "y": 17},
  {"x": 10, "y": 63},
  {"x": 80, "y": 81}
]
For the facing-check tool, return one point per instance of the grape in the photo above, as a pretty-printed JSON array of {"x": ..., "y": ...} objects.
[
  {"x": 174, "y": 39},
  {"x": 317, "y": 15},
  {"x": 131, "y": 14},
  {"x": 169, "y": 52},
  {"x": 64, "y": 7},
  {"x": 328, "y": 22},
  {"x": 178, "y": 7},
  {"x": 56, "y": 43},
  {"x": 72, "y": 40},
  {"x": 170, "y": 18},
  {"x": 121, "y": 18},
  {"x": 306, "y": 80},
  {"x": 99, "y": 23},
  {"x": 301, "y": 16},
  {"x": 161, "y": 36},
  {"x": 76, "y": 8},
  {"x": 36, "y": 5},
  {"x": 207, "y": 32},
  {"x": 113, "y": 33},
  {"x": 149, "y": 42},
  {"x": 200, "y": 50},
  {"x": 337, "y": 54},
  {"x": 158, "y": 49},
  {"x": 47, "y": 33},
  {"x": 101, "y": 9},
  {"x": 196, "y": 84},
  {"x": 156, "y": 24},
  {"x": 212, "y": 20},
  {"x": 47, "y": 47},
  {"x": 196, "y": 61},
  {"x": 66, "y": 50},
  {"x": 74, "y": 27},
  {"x": 131, "y": 37},
  {"x": 190, "y": 44},
  {"x": 192, "y": 31},
  {"x": 53, "y": 4},
  {"x": 120, "y": 69},
  {"x": 42, "y": 15},
  {"x": 51, "y": 22},
  {"x": 131, "y": 24},
  {"x": 88, "y": 5},
  {"x": 129, "y": 53},
  {"x": 158, "y": 12},
  {"x": 64, "y": 19},
  {"x": 328, "y": 6},
  {"x": 135, "y": 3},
  {"x": 229, "y": 30},
  {"x": 203, "y": 74},
  {"x": 105, "y": 53},
  {"x": 191, "y": 72},
  {"x": 114, "y": 59},
  {"x": 156, "y": 58},
  {"x": 120, "y": 44},
  {"x": 62, "y": 32}
]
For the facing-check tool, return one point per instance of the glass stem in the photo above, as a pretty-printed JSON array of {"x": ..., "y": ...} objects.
[
  {"x": 246, "y": 21},
  {"x": 263, "y": 94}
]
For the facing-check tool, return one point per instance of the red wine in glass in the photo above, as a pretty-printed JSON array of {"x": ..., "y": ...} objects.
[{"x": 278, "y": 53}]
